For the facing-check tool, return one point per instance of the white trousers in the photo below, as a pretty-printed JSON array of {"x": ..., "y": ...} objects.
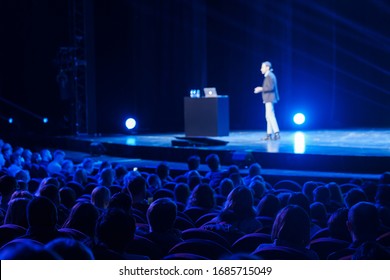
[{"x": 272, "y": 124}]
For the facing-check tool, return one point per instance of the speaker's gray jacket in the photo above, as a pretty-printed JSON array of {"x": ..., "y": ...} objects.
[{"x": 270, "y": 88}]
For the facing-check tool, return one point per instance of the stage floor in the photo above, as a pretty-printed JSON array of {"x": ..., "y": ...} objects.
[
  {"x": 362, "y": 142},
  {"x": 318, "y": 154}
]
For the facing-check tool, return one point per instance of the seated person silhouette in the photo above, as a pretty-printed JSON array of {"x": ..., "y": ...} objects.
[
  {"x": 363, "y": 224},
  {"x": 161, "y": 217},
  {"x": 291, "y": 235},
  {"x": 114, "y": 231}
]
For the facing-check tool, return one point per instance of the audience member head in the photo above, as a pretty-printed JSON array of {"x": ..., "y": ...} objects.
[
  {"x": 233, "y": 169},
  {"x": 107, "y": 177},
  {"x": 78, "y": 188},
  {"x": 2, "y": 161},
  {"x": 213, "y": 162},
  {"x": 7, "y": 151},
  {"x": 105, "y": 164},
  {"x": 291, "y": 227},
  {"x": 88, "y": 165},
  {"x": 122, "y": 201},
  {"x": 236, "y": 179},
  {"x": 83, "y": 217},
  {"x": 363, "y": 221},
  {"x": 258, "y": 189},
  {"x": 194, "y": 179},
  {"x": 120, "y": 173},
  {"x": 46, "y": 155},
  {"x": 226, "y": 186},
  {"x": 26, "y": 249},
  {"x": 23, "y": 175},
  {"x": 337, "y": 225},
  {"x": 130, "y": 175},
  {"x": 59, "y": 156},
  {"x": 385, "y": 178},
  {"x": 182, "y": 193},
  {"x": 161, "y": 215},
  {"x": 318, "y": 213},
  {"x": 321, "y": 194},
  {"x": 48, "y": 181},
  {"x": 17, "y": 212},
  {"x": 8, "y": 185},
  {"x": 202, "y": 196},
  {"x": 100, "y": 197},
  {"x": 308, "y": 188},
  {"x": 154, "y": 182},
  {"x": 19, "y": 150},
  {"x": 356, "y": 181},
  {"x": 137, "y": 188},
  {"x": 26, "y": 155},
  {"x": 162, "y": 171},
  {"x": 240, "y": 201},
  {"x": 16, "y": 159},
  {"x": 283, "y": 197},
  {"x": 52, "y": 193},
  {"x": 260, "y": 179},
  {"x": 182, "y": 178},
  {"x": 382, "y": 196},
  {"x": 67, "y": 166},
  {"x": 384, "y": 215},
  {"x": 370, "y": 188},
  {"x": 41, "y": 212},
  {"x": 268, "y": 206},
  {"x": 33, "y": 185},
  {"x": 115, "y": 229},
  {"x": 298, "y": 198},
  {"x": 254, "y": 170},
  {"x": 163, "y": 193},
  {"x": 70, "y": 249},
  {"x": 193, "y": 162},
  {"x": 21, "y": 194},
  {"x": 67, "y": 197},
  {"x": 336, "y": 196},
  {"x": 354, "y": 196},
  {"x": 81, "y": 176},
  {"x": 36, "y": 158}
]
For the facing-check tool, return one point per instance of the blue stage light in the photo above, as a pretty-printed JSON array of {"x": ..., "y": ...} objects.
[
  {"x": 130, "y": 123},
  {"x": 10, "y": 120},
  {"x": 299, "y": 118},
  {"x": 45, "y": 120}
]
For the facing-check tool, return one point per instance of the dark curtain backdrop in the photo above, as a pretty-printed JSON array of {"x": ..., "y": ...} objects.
[
  {"x": 149, "y": 55},
  {"x": 330, "y": 58},
  {"x": 31, "y": 33}
]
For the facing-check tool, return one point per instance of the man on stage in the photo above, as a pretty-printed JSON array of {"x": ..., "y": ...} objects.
[{"x": 270, "y": 96}]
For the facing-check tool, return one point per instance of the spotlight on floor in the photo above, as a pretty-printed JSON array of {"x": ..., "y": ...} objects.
[
  {"x": 299, "y": 118},
  {"x": 130, "y": 123},
  {"x": 299, "y": 143}
]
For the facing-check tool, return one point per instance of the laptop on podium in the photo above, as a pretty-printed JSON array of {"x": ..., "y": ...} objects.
[{"x": 210, "y": 92}]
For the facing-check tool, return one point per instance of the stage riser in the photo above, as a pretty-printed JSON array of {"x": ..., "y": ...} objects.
[{"x": 306, "y": 162}]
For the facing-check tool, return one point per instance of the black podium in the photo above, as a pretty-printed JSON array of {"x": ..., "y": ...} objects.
[{"x": 206, "y": 116}]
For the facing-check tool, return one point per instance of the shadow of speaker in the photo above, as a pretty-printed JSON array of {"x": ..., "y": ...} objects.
[{"x": 197, "y": 142}]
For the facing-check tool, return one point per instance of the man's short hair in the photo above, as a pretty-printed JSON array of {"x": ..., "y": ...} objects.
[{"x": 267, "y": 63}]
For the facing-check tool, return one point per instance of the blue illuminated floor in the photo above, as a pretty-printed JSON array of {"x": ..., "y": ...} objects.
[{"x": 362, "y": 142}]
